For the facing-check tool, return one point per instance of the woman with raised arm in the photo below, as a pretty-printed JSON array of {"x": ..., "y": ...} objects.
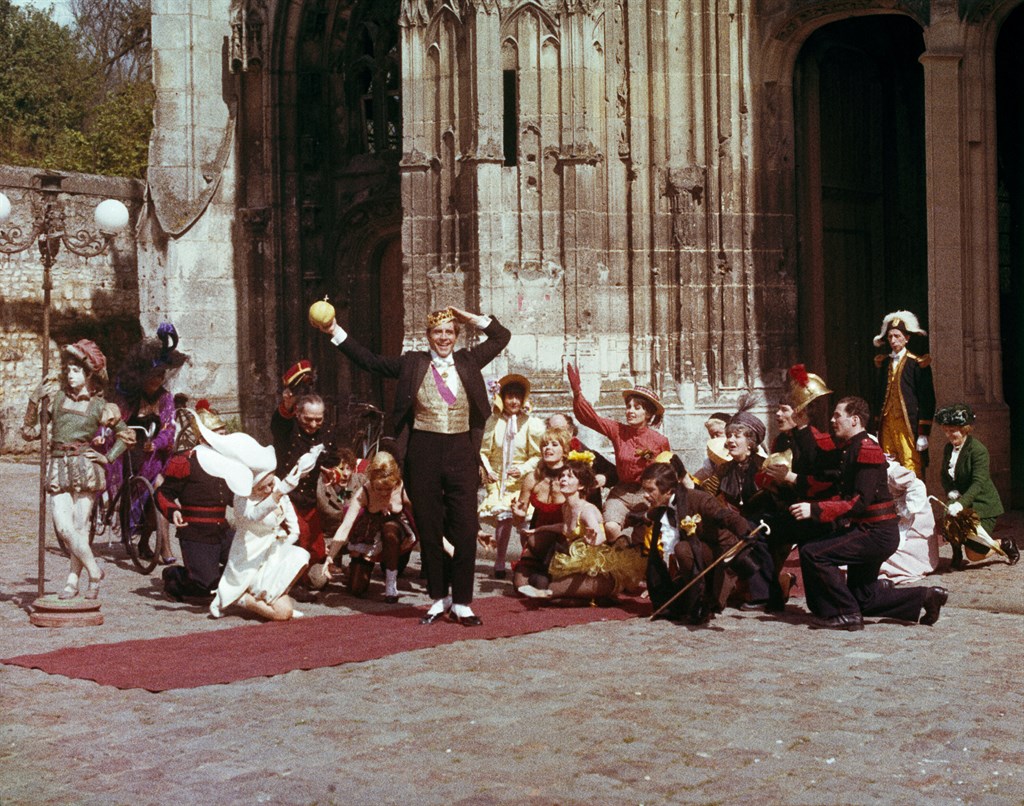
[
  {"x": 264, "y": 562},
  {"x": 636, "y": 444},
  {"x": 378, "y": 525}
]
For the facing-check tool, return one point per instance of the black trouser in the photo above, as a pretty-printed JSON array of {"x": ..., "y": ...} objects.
[
  {"x": 442, "y": 476},
  {"x": 862, "y": 548},
  {"x": 204, "y": 563}
]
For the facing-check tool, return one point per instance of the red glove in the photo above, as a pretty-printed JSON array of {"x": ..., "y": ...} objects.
[{"x": 574, "y": 378}]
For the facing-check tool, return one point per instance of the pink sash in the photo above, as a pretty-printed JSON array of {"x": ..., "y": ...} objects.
[{"x": 447, "y": 395}]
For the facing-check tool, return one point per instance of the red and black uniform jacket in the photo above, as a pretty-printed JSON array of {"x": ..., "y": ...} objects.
[
  {"x": 199, "y": 497},
  {"x": 291, "y": 442},
  {"x": 862, "y": 495},
  {"x": 815, "y": 462}
]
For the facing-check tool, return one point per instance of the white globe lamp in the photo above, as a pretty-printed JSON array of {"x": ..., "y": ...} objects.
[{"x": 111, "y": 216}]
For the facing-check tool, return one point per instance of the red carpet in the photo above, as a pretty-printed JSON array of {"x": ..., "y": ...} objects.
[{"x": 264, "y": 650}]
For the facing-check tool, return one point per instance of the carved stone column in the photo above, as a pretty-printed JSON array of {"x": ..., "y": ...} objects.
[
  {"x": 186, "y": 261},
  {"x": 963, "y": 257}
]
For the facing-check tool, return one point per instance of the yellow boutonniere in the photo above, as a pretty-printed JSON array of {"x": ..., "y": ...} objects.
[{"x": 688, "y": 525}]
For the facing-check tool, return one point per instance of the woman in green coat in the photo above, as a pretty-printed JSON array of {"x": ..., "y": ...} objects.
[{"x": 965, "y": 476}]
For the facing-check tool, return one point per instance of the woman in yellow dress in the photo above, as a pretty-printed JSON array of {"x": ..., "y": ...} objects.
[
  {"x": 509, "y": 453},
  {"x": 582, "y": 565}
]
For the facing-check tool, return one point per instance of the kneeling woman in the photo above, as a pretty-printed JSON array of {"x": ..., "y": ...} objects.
[
  {"x": 264, "y": 561},
  {"x": 378, "y": 525},
  {"x": 582, "y": 565}
]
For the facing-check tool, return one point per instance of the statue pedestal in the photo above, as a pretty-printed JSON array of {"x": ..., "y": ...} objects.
[{"x": 49, "y": 611}]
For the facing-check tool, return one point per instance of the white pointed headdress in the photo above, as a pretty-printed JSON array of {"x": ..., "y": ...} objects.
[
  {"x": 237, "y": 458},
  {"x": 904, "y": 320}
]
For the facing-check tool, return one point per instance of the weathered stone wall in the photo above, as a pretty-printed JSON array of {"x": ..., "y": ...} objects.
[
  {"x": 95, "y": 298},
  {"x": 187, "y": 271}
]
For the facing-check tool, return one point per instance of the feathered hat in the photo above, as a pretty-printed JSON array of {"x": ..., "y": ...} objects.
[
  {"x": 904, "y": 321},
  {"x": 89, "y": 355},
  {"x": 805, "y": 387},
  {"x": 745, "y": 418},
  {"x": 956, "y": 415}
]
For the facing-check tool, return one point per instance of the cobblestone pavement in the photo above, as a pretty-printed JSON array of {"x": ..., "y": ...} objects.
[{"x": 750, "y": 710}]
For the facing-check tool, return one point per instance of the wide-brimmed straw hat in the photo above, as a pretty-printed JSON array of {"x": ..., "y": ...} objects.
[
  {"x": 647, "y": 394},
  {"x": 512, "y": 378}
]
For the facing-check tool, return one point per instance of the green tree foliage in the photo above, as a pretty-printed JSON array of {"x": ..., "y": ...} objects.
[{"x": 69, "y": 102}]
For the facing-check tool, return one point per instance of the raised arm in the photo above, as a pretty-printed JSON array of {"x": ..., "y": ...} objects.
[
  {"x": 385, "y": 366},
  {"x": 585, "y": 413},
  {"x": 497, "y": 339}
]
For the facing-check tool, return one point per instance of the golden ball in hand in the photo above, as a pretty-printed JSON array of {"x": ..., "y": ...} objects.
[{"x": 321, "y": 313}]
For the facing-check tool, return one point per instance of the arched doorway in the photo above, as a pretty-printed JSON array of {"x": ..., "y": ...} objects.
[
  {"x": 339, "y": 147},
  {"x": 1010, "y": 137},
  {"x": 859, "y": 113}
]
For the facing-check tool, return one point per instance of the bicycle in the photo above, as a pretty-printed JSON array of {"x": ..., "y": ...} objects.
[
  {"x": 135, "y": 511},
  {"x": 369, "y": 429}
]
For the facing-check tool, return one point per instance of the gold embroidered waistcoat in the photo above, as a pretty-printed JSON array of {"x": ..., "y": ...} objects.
[{"x": 436, "y": 416}]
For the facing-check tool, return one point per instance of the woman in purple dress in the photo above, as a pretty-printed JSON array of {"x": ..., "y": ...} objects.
[{"x": 145, "y": 401}]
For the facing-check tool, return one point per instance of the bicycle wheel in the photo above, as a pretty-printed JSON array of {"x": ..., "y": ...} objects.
[
  {"x": 138, "y": 523},
  {"x": 97, "y": 524}
]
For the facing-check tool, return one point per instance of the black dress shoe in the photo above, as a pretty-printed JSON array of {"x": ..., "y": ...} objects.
[
  {"x": 466, "y": 621},
  {"x": 430, "y": 618},
  {"x": 391, "y": 600},
  {"x": 700, "y": 614},
  {"x": 844, "y": 621},
  {"x": 1012, "y": 552},
  {"x": 500, "y": 574},
  {"x": 934, "y": 599}
]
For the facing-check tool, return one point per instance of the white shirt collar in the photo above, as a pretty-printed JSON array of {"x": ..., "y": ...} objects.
[
  {"x": 899, "y": 355},
  {"x": 442, "y": 362}
]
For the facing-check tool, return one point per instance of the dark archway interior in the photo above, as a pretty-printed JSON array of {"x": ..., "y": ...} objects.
[
  {"x": 341, "y": 146},
  {"x": 1010, "y": 136},
  {"x": 859, "y": 100}
]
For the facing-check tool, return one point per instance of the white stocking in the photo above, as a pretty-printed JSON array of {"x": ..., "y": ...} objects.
[{"x": 70, "y": 512}]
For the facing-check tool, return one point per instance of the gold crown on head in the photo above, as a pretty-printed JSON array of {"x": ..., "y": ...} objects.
[{"x": 440, "y": 317}]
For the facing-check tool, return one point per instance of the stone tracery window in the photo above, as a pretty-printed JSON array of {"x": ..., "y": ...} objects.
[{"x": 375, "y": 86}]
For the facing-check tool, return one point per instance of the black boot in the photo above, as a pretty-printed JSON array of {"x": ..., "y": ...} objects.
[
  {"x": 1012, "y": 552},
  {"x": 743, "y": 565}
]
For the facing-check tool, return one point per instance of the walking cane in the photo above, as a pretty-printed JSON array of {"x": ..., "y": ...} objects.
[{"x": 725, "y": 556}]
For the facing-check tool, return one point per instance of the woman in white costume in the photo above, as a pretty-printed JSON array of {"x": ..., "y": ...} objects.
[
  {"x": 264, "y": 561},
  {"x": 918, "y": 554}
]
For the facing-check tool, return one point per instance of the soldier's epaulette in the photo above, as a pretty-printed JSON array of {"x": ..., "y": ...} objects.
[
  {"x": 924, "y": 361},
  {"x": 177, "y": 467},
  {"x": 880, "y": 359},
  {"x": 824, "y": 441},
  {"x": 870, "y": 453}
]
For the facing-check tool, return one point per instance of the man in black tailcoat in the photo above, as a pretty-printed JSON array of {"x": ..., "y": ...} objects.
[{"x": 441, "y": 406}]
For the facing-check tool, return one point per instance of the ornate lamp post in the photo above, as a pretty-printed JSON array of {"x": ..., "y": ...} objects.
[{"x": 48, "y": 230}]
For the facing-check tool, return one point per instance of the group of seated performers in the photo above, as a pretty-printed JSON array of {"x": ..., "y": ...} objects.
[
  {"x": 590, "y": 529},
  {"x": 694, "y": 542}
]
